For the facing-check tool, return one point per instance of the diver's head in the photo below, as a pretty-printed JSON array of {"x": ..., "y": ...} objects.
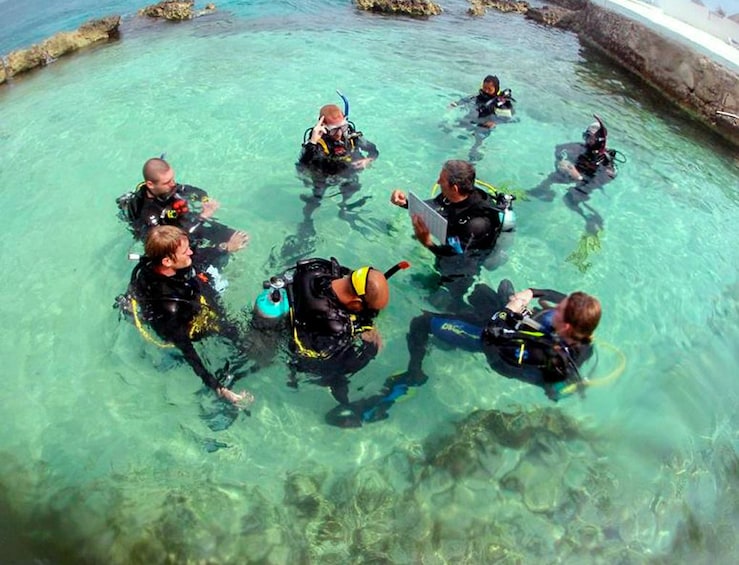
[
  {"x": 371, "y": 287},
  {"x": 490, "y": 85},
  {"x": 363, "y": 289},
  {"x": 159, "y": 178},
  {"x": 168, "y": 248},
  {"x": 457, "y": 180},
  {"x": 577, "y": 316},
  {"x": 334, "y": 121},
  {"x": 595, "y": 135}
]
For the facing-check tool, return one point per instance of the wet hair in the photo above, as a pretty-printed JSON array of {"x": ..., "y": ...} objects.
[
  {"x": 462, "y": 174},
  {"x": 162, "y": 242},
  {"x": 492, "y": 79},
  {"x": 377, "y": 291},
  {"x": 582, "y": 312},
  {"x": 154, "y": 168},
  {"x": 331, "y": 112}
]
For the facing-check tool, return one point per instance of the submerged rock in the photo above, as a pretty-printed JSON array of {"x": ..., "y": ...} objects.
[
  {"x": 60, "y": 44},
  {"x": 415, "y": 8},
  {"x": 175, "y": 10}
]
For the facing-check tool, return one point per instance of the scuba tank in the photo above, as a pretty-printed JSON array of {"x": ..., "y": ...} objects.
[
  {"x": 272, "y": 305},
  {"x": 508, "y": 220}
]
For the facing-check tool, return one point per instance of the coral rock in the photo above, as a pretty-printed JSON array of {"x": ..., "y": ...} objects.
[
  {"x": 479, "y": 7},
  {"x": 170, "y": 10},
  {"x": 415, "y": 8}
]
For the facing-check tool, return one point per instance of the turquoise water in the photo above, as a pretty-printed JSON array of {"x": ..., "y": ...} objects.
[{"x": 107, "y": 455}]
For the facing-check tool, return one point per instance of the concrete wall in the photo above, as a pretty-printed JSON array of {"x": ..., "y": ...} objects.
[{"x": 696, "y": 82}]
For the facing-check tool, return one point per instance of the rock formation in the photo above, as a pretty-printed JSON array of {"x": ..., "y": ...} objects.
[
  {"x": 415, "y": 8},
  {"x": 175, "y": 10},
  {"x": 59, "y": 44},
  {"x": 479, "y": 7}
]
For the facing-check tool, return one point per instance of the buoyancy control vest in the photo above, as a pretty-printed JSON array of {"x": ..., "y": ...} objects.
[{"x": 321, "y": 326}]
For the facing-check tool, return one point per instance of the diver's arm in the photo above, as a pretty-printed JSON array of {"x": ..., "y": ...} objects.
[
  {"x": 311, "y": 152},
  {"x": 193, "y": 359},
  {"x": 548, "y": 295},
  {"x": 367, "y": 147},
  {"x": 565, "y": 156},
  {"x": 172, "y": 323},
  {"x": 462, "y": 101}
]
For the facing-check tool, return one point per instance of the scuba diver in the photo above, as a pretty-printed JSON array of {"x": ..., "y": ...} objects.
[
  {"x": 542, "y": 346},
  {"x": 488, "y": 107},
  {"x": 590, "y": 165},
  {"x": 329, "y": 311},
  {"x": 332, "y": 154},
  {"x": 474, "y": 223},
  {"x": 159, "y": 200},
  {"x": 179, "y": 304}
]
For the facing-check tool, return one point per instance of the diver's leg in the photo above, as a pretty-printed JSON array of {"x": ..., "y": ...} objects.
[
  {"x": 543, "y": 191},
  {"x": 577, "y": 197},
  {"x": 417, "y": 339}
]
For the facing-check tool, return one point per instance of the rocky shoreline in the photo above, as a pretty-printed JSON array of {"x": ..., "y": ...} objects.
[{"x": 702, "y": 87}]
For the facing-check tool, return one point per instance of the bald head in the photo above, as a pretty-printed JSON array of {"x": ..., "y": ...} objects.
[
  {"x": 331, "y": 114},
  {"x": 155, "y": 168},
  {"x": 378, "y": 291}
]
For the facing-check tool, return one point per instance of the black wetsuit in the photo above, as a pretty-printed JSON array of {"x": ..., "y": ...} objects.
[
  {"x": 597, "y": 166},
  {"x": 326, "y": 337},
  {"x": 488, "y": 104},
  {"x": 179, "y": 209},
  {"x": 181, "y": 309},
  {"x": 515, "y": 350},
  {"x": 330, "y": 157},
  {"x": 473, "y": 227}
]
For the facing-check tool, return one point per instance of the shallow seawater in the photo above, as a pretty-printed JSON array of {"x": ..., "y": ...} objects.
[{"x": 111, "y": 451}]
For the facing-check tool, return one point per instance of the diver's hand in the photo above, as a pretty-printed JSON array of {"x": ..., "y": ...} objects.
[
  {"x": 361, "y": 164},
  {"x": 519, "y": 301},
  {"x": 568, "y": 168},
  {"x": 237, "y": 241},
  {"x": 318, "y": 130},
  {"x": 245, "y": 398},
  {"x": 372, "y": 336},
  {"x": 399, "y": 198},
  {"x": 209, "y": 208},
  {"x": 490, "y": 124},
  {"x": 423, "y": 233}
]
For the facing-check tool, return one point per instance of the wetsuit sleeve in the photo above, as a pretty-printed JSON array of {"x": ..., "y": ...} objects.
[
  {"x": 549, "y": 295},
  {"x": 193, "y": 359},
  {"x": 172, "y": 324},
  {"x": 311, "y": 153}
]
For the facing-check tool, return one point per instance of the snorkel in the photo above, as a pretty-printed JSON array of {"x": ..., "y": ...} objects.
[
  {"x": 402, "y": 265},
  {"x": 346, "y": 103},
  {"x": 595, "y": 135}
]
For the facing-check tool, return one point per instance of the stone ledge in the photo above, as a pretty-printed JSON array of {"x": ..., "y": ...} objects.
[{"x": 62, "y": 43}]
